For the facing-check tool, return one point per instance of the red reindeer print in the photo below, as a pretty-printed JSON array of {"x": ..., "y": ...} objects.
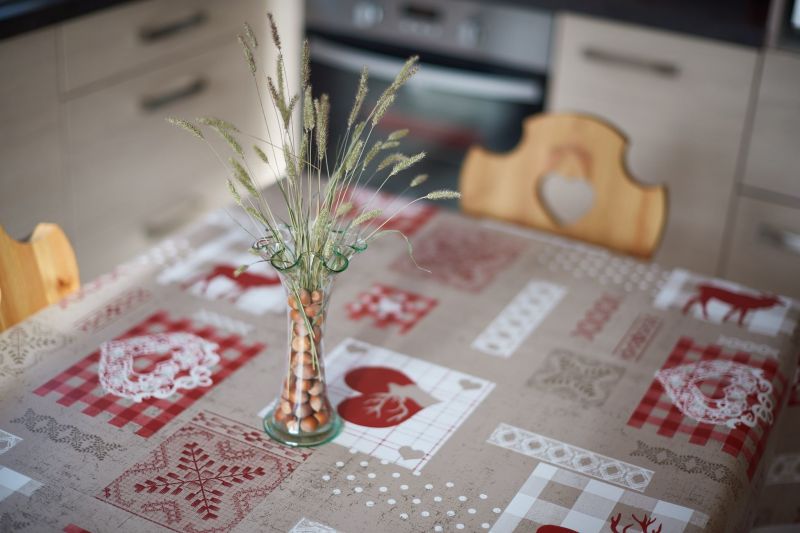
[
  {"x": 644, "y": 524},
  {"x": 738, "y": 302},
  {"x": 554, "y": 529},
  {"x": 388, "y": 397}
]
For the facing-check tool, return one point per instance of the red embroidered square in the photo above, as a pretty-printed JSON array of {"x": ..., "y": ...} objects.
[
  {"x": 685, "y": 398},
  {"x": 206, "y": 477},
  {"x": 79, "y": 384},
  {"x": 388, "y": 306}
]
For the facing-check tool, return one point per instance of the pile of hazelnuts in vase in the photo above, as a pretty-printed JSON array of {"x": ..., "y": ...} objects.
[{"x": 304, "y": 406}]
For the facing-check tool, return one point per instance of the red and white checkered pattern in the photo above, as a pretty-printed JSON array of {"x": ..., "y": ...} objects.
[
  {"x": 79, "y": 384},
  {"x": 413, "y": 442},
  {"x": 388, "y": 306},
  {"x": 408, "y": 221},
  {"x": 656, "y": 408}
]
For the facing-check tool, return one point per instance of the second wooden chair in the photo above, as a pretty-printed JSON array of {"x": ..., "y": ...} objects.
[{"x": 579, "y": 151}]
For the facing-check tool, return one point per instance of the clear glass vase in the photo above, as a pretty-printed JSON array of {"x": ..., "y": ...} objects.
[{"x": 303, "y": 414}]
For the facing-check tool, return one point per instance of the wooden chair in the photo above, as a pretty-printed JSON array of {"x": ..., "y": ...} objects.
[
  {"x": 579, "y": 150},
  {"x": 36, "y": 273}
]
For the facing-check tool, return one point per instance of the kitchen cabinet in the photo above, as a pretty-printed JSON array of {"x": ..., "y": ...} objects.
[
  {"x": 85, "y": 143},
  {"x": 764, "y": 246},
  {"x": 764, "y": 249},
  {"x": 134, "y": 36},
  {"x": 681, "y": 101},
  {"x": 32, "y": 183},
  {"x": 771, "y": 162}
]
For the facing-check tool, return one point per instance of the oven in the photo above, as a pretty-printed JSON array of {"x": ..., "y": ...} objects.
[{"x": 483, "y": 68}]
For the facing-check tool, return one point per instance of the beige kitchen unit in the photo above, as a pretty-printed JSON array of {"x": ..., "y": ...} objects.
[
  {"x": 764, "y": 248},
  {"x": 682, "y": 102},
  {"x": 32, "y": 180},
  {"x": 86, "y": 144}
]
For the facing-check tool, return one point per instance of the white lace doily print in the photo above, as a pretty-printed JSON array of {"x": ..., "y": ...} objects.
[
  {"x": 746, "y": 396},
  {"x": 187, "y": 364}
]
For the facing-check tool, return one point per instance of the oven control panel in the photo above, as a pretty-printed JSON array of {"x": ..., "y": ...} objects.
[{"x": 516, "y": 37}]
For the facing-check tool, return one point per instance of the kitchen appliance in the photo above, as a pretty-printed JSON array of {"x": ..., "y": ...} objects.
[{"x": 483, "y": 69}]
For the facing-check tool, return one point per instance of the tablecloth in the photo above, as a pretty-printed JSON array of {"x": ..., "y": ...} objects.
[{"x": 564, "y": 386}]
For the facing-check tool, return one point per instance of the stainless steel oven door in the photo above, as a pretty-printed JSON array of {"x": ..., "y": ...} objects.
[{"x": 447, "y": 109}]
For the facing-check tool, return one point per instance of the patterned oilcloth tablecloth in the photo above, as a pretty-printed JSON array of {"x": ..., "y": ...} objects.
[{"x": 558, "y": 387}]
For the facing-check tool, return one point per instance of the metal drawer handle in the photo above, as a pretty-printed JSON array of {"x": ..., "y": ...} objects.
[
  {"x": 661, "y": 68},
  {"x": 190, "y": 89},
  {"x": 151, "y": 34},
  {"x": 786, "y": 240}
]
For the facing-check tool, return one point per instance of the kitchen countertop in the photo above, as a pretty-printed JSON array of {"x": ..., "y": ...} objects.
[{"x": 736, "y": 21}]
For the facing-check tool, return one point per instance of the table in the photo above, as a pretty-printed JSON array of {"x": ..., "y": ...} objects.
[{"x": 563, "y": 386}]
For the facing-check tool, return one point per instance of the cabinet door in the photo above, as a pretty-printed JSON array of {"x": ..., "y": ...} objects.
[
  {"x": 681, "y": 101},
  {"x": 136, "y": 178},
  {"x": 772, "y": 154},
  {"x": 765, "y": 247},
  {"x": 32, "y": 188}
]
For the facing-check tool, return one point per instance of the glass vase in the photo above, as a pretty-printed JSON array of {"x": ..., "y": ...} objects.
[{"x": 302, "y": 414}]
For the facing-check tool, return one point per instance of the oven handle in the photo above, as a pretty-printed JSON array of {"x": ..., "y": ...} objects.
[{"x": 463, "y": 82}]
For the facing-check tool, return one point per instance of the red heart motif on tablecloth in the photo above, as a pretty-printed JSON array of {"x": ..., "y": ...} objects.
[{"x": 388, "y": 397}]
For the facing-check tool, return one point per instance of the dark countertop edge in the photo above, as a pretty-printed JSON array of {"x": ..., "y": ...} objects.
[{"x": 693, "y": 24}]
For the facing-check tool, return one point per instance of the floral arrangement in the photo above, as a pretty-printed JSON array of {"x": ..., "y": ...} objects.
[{"x": 321, "y": 231}]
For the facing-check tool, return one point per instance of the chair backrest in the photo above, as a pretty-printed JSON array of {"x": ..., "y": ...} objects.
[
  {"x": 36, "y": 273},
  {"x": 571, "y": 151}
]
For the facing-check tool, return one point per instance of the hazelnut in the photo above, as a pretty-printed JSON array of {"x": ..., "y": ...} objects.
[
  {"x": 292, "y": 425},
  {"x": 305, "y": 297},
  {"x": 295, "y": 316},
  {"x": 296, "y": 396},
  {"x": 316, "y": 296},
  {"x": 302, "y": 410},
  {"x": 286, "y": 407},
  {"x": 292, "y": 302},
  {"x": 312, "y": 310},
  {"x": 279, "y": 415},
  {"x": 309, "y": 424},
  {"x": 322, "y": 417},
  {"x": 300, "y": 344},
  {"x": 300, "y": 329},
  {"x": 316, "y": 403},
  {"x": 317, "y": 388}
]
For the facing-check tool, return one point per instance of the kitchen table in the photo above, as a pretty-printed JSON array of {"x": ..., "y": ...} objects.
[{"x": 562, "y": 385}]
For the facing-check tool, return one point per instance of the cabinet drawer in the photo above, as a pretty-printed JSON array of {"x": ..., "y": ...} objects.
[
  {"x": 772, "y": 156},
  {"x": 134, "y": 35},
  {"x": 765, "y": 247},
  {"x": 134, "y": 172},
  {"x": 681, "y": 101}
]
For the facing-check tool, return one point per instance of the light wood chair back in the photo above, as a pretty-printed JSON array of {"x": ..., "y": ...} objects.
[
  {"x": 36, "y": 273},
  {"x": 624, "y": 215}
]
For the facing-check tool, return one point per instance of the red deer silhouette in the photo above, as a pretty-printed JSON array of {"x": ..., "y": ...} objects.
[
  {"x": 739, "y": 302},
  {"x": 644, "y": 524},
  {"x": 245, "y": 280}
]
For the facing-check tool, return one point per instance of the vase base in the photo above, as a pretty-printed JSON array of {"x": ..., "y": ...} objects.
[{"x": 303, "y": 440}]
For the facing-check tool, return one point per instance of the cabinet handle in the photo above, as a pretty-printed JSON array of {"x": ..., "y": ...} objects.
[
  {"x": 188, "y": 90},
  {"x": 654, "y": 66},
  {"x": 151, "y": 34},
  {"x": 788, "y": 241}
]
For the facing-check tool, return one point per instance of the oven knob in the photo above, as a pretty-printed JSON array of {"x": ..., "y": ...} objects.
[{"x": 366, "y": 14}]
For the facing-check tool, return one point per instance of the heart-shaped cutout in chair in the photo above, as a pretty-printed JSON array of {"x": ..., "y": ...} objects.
[{"x": 566, "y": 200}]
